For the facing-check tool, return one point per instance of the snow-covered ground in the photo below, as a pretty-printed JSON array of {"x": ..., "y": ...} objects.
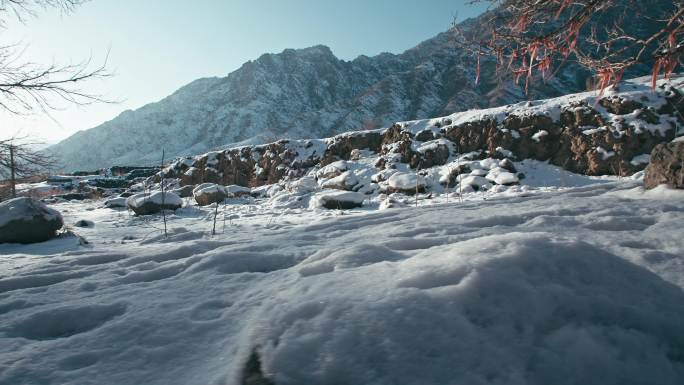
[{"x": 537, "y": 285}]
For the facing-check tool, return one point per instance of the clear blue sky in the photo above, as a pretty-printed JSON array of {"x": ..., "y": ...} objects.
[{"x": 156, "y": 46}]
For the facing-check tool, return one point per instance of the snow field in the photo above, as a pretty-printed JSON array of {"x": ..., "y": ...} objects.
[{"x": 535, "y": 286}]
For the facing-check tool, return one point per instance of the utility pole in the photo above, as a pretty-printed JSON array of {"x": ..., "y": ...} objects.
[{"x": 13, "y": 181}]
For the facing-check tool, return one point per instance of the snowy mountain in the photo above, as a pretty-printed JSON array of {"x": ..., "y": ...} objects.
[{"x": 306, "y": 93}]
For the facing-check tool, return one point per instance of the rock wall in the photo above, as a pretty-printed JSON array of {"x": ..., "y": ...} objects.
[{"x": 581, "y": 133}]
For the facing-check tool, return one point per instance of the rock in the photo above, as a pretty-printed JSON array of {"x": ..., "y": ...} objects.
[
  {"x": 343, "y": 146},
  {"x": 619, "y": 106},
  {"x": 26, "y": 220},
  {"x": 185, "y": 191},
  {"x": 116, "y": 202},
  {"x": 84, "y": 223},
  {"x": 431, "y": 154},
  {"x": 425, "y": 136},
  {"x": 666, "y": 166},
  {"x": 208, "y": 193},
  {"x": 451, "y": 179},
  {"x": 332, "y": 170},
  {"x": 508, "y": 165},
  {"x": 345, "y": 181},
  {"x": 237, "y": 191},
  {"x": 109, "y": 183},
  {"x": 151, "y": 203},
  {"x": 406, "y": 183},
  {"x": 476, "y": 182},
  {"x": 72, "y": 196},
  {"x": 338, "y": 200}
]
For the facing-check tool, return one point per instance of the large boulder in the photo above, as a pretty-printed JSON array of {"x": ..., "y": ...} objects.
[
  {"x": 185, "y": 191},
  {"x": 26, "y": 220},
  {"x": 151, "y": 203},
  {"x": 117, "y": 202},
  {"x": 208, "y": 193},
  {"x": 406, "y": 183},
  {"x": 345, "y": 181},
  {"x": 234, "y": 190},
  {"x": 666, "y": 165}
]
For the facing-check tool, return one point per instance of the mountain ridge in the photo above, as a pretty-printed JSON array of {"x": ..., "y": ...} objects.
[{"x": 304, "y": 93}]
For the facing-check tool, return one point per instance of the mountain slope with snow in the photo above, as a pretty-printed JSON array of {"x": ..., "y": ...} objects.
[
  {"x": 304, "y": 93},
  {"x": 308, "y": 93}
]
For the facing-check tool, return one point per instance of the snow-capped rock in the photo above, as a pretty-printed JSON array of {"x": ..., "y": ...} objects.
[
  {"x": 26, "y": 220},
  {"x": 337, "y": 200},
  {"x": 208, "y": 193},
  {"x": 150, "y": 203}
]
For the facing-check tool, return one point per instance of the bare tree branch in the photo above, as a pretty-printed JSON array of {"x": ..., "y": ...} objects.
[
  {"x": 529, "y": 36},
  {"x": 26, "y": 86},
  {"x": 21, "y": 158}
]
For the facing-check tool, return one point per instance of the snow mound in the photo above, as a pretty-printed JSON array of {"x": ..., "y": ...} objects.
[
  {"x": 510, "y": 309},
  {"x": 530, "y": 286},
  {"x": 406, "y": 181}
]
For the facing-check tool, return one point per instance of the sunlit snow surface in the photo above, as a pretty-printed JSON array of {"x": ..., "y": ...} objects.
[{"x": 553, "y": 285}]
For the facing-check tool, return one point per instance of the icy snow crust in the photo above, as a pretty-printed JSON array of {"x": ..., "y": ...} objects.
[{"x": 543, "y": 285}]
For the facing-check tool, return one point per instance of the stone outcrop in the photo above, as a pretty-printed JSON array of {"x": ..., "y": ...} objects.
[{"x": 580, "y": 134}]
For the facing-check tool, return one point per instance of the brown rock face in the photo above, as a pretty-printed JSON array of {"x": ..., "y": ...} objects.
[
  {"x": 568, "y": 143},
  {"x": 581, "y": 140},
  {"x": 342, "y": 146},
  {"x": 666, "y": 166},
  {"x": 429, "y": 158},
  {"x": 206, "y": 199}
]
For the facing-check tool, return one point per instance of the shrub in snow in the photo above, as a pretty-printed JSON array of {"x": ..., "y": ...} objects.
[
  {"x": 341, "y": 200},
  {"x": 406, "y": 183},
  {"x": 208, "y": 193},
  {"x": 151, "y": 203},
  {"x": 26, "y": 220}
]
